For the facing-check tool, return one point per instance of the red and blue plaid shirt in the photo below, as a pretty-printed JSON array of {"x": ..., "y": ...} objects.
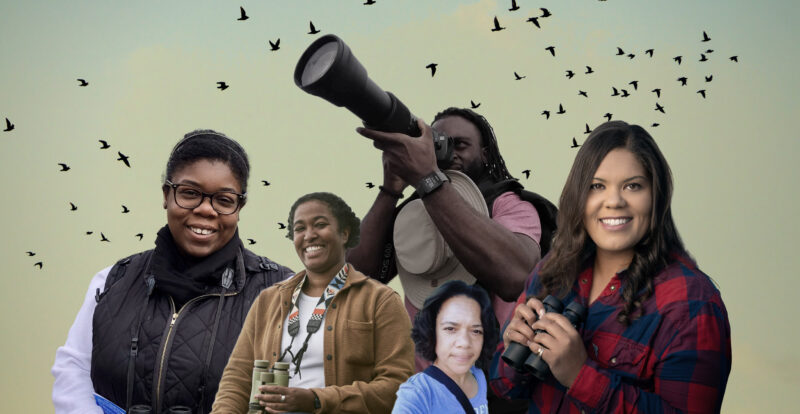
[{"x": 676, "y": 357}]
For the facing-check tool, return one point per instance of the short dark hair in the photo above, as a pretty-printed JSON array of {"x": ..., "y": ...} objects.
[
  {"x": 344, "y": 215},
  {"x": 424, "y": 330},
  {"x": 494, "y": 161},
  {"x": 207, "y": 144}
]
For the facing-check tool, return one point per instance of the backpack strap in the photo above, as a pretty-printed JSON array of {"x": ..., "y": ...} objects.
[{"x": 434, "y": 372}]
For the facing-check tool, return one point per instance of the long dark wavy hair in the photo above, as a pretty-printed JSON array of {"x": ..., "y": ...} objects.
[{"x": 572, "y": 247}]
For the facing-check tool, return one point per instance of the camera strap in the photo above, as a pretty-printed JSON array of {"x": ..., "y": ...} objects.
[{"x": 434, "y": 372}]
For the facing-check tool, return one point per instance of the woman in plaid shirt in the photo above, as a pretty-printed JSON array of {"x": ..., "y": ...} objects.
[{"x": 656, "y": 337}]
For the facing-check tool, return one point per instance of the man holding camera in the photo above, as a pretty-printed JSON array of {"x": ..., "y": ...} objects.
[{"x": 500, "y": 251}]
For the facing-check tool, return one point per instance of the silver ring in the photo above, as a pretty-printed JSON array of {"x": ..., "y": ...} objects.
[
  {"x": 540, "y": 351},
  {"x": 283, "y": 397}
]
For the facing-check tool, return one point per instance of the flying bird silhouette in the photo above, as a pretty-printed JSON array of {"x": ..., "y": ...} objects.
[
  {"x": 251, "y": 241},
  {"x": 545, "y": 12},
  {"x": 588, "y": 130},
  {"x": 625, "y": 93},
  {"x": 678, "y": 59},
  {"x": 705, "y": 36},
  {"x": 616, "y": 92},
  {"x": 281, "y": 226},
  {"x": 734, "y": 59},
  {"x": 89, "y": 233},
  {"x": 474, "y": 105},
  {"x": 709, "y": 78},
  {"x": 242, "y": 14},
  {"x": 682, "y": 80},
  {"x": 631, "y": 56},
  {"x": 139, "y": 235},
  {"x": 620, "y": 52},
  {"x": 83, "y": 82},
  {"x": 9, "y": 126},
  {"x": 30, "y": 253},
  {"x": 655, "y": 124},
  {"x": 265, "y": 182},
  {"x": 38, "y": 264},
  {"x": 534, "y": 20},
  {"x": 432, "y": 67},
  {"x": 514, "y": 6},
  {"x": 125, "y": 209},
  {"x": 703, "y": 58},
  {"x": 589, "y": 70},
  {"x": 570, "y": 74},
  {"x": 561, "y": 109},
  {"x": 64, "y": 167},
  {"x": 103, "y": 144},
  {"x": 546, "y": 114},
  {"x": 582, "y": 93},
  {"x": 103, "y": 238},
  {"x": 552, "y": 50},
  {"x": 370, "y": 185},
  {"x": 608, "y": 116},
  {"x": 311, "y": 29},
  {"x": 649, "y": 52},
  {"x": 124, "y": 159},
  {"x": 519, "y": 77},
  {"x": 72, "y": 206},
  {"x": 369, "y": 2},
  {"x": 275, "y": 46},
  {"x": 702, "y": 93},
  {"x": 635, "y": 84},
  {"x": 709, "y": 50},
  {"x": 574, "y": 143},
  {"x": 222, "y": 86},
  {"x": 657, "y": 92},
  {"x": 527, "y": 173},
  {"x": 497, "y": 27},
  {"x": 659, "y": 108}
]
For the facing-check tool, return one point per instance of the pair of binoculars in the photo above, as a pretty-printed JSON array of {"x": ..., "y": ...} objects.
[
  {"x": 146, "y": 409},
  {"x": 520, "y": 356},
  {"x": 263, "y": 376}
]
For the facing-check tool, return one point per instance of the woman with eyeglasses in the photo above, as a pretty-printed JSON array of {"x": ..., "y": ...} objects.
[
  {"x": 345, "y": 335},
  {"x": 157, "y": 328}
]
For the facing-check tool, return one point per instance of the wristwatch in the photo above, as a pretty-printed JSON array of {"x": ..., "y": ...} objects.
[
  {"x": 317, "y": 403},
  {"x": 430, "y": 183}
]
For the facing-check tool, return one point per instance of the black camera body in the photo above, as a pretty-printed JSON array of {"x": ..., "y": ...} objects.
[
  {"x": 520, "y": 356},
  {"x": 329, "y": 69}
]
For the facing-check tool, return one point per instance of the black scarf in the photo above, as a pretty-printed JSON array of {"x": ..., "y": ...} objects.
[{"x": 184, "y": 277}]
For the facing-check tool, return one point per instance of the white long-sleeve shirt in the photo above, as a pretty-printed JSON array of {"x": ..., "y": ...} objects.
[{"x": 73, "y": 391}]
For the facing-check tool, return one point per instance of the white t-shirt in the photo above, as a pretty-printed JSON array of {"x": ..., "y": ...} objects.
[{"x": 312, "y": 373}]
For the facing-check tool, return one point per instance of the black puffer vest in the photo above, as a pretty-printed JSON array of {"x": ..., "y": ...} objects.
[{"x": 144, "y": 351}]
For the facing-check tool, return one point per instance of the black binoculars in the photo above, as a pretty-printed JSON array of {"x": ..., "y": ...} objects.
[{"x": 520, "y": 356}]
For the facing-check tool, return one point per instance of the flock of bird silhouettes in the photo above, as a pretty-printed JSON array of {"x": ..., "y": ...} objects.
[{"x": 432, "y": 67}]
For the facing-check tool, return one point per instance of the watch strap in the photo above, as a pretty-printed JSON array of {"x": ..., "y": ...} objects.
[{"x": 431, "y": 183}]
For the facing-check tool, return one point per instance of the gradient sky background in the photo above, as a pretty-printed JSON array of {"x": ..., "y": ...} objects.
[{"x": 152, "y": 69}]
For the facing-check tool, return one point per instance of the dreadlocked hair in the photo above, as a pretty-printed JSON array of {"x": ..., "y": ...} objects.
[
  {"x": 494, "y": 161},
  {"x": 572, "y": 247}
]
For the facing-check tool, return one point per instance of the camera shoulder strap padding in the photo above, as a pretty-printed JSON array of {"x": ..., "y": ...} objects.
[{"x": 434, "y": 372}]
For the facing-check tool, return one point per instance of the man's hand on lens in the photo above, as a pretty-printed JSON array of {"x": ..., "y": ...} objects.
[{"x": 409, "y": 158}]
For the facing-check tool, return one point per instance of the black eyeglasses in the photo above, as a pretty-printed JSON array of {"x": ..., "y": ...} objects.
[{"x": 190, "y": 197}]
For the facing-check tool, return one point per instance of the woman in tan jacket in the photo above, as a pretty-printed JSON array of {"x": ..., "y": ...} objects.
[{"x": 346, "y": 336}]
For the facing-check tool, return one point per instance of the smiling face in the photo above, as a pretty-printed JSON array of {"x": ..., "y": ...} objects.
[
  {"x": 468, "y": 154},
  {"x": 317, "y": 239},
  {"x": 619, "y": 204},
  {"x": 459, "y": 335},
  {"x": 200, "y": 231}
]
